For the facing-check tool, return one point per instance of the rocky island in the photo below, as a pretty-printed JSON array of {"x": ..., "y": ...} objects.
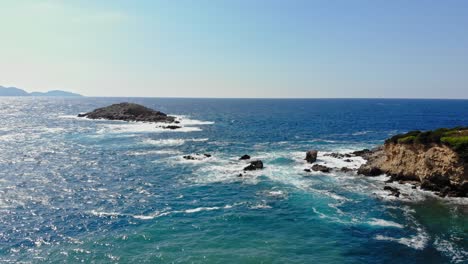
[
  {"x": 437, "y": 160},
  {"x": 130, "y": 112}
]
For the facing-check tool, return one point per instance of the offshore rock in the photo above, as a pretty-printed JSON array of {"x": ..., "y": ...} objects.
[
  {"x": 129, "y": 112},
  {"x": 244, "y": 157},
  {"x": 254, "y": 165},
  {"x": 321, "y": 168},
  {"x": 311, "y": 156}
]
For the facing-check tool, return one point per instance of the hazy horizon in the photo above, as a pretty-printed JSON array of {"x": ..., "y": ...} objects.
[{"x": 237, "y": 49}]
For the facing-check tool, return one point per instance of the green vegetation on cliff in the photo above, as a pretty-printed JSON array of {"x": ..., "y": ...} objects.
[{"x": 455, "y": 138}]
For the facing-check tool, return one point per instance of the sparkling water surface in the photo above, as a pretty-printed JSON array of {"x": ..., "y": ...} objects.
[{"x": 94, "y": 191}]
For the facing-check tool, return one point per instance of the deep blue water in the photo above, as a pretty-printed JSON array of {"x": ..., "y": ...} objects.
[{"x": 74, "y": 190}]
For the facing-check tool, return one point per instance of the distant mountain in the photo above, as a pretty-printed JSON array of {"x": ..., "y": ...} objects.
[
  {"x": 12, "y": 91},
  {"x": 54, "y": 93}
]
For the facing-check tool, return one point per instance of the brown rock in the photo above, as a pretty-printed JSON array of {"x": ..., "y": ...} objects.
[
  {"x": 321, "y": 168},
  {"x": 311, "y": 156}
]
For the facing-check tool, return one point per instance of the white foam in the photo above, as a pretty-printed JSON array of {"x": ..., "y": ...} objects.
[
  {"x": 360, "y": 133},
  {"x": 277, "y": 194},
  {"x": 447, "y": 248},
  {"x": 104, "y": 214},
  {"x": 418, "y": 241},
  {"x": 120, "y": 126},
  {"x": 199, "y": 139},
  {"x": 52, "y": 130},
  {"x": 141, "y": 127},
  {"x": 155, "y": 152},
  {"x": 199, "y": 209},
  {"x": 184, "y": 120},
  {"x": 151, "y": 216},
  {"x": 187, "y": 211},
  {"x": 260, "y": 206},
  {"x": 324, "y": 159},
  {"x": 164, "y": 142},
  {"x": 323, "y": 140},
  {"x": 334, "y": 219},
  {"x": 385, "y": 223}
]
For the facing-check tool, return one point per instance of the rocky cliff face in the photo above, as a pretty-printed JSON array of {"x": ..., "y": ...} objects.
[
  {"x": 420, "y": 162},
  {"x": 436, "y": 166}
]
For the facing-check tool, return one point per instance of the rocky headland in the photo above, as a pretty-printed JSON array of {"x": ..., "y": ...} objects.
[
  {"x": 130, "y": 112},
  {"x": 436, "y": 160}
]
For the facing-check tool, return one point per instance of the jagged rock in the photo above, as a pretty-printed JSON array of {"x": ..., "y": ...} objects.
[
  {"x": 307, "y": 170},
  {"x": 172, "y": 127},
  {"x": 189, "y": 157},
  {"x": 311, "y": 156},
  {"x": 437, "y": 159},
  {"x": 128, "y": 112},
  {"x": 338, "y": 155},
  {"x": 196, "y": 156},
  {"x": 361, "y": 153},
  {"x": 393, "y": 191},
  {"x": 321, "y": 168},
  {"x": 244, "y": 157},
  {"x": 254, "y": 165},
  {"x": 369, "y": 171},
  {"x": 345, "y": 169}
]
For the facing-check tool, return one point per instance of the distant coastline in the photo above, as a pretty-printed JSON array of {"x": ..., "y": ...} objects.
[{"x": 13, "y": 91}]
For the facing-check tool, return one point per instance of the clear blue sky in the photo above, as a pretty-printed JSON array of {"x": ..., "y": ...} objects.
[{"x": 237, "y": 48}]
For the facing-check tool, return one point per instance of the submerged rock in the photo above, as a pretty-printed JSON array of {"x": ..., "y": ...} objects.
[
  {"x": 254, "y": 165},
  {"x": 345, "y": 169},
  {"x": 337, "y": 155},
  {"x": 197, "y": 156},
  {"x": 172, "y": 127},
  {"x": 393, "y": 191},
  {"x": 311, "y": 156},
  {"x": 244, "y": 157},
  {"x": 321, "y": 168},
  {"x": 129, "y": 112},
  {"x": 189, "y": 157}
]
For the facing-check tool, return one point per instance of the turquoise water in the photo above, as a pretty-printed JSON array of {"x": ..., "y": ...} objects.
[{"x": 74, "y": 190}]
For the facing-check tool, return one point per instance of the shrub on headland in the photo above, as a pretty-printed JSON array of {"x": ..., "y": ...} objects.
[{"x": 455, "y": 138}]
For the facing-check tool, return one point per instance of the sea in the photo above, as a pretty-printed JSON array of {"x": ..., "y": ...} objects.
[{"x": 74, "y": 190}]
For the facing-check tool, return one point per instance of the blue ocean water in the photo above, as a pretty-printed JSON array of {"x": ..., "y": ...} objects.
[{"x": 75, "y": 190}]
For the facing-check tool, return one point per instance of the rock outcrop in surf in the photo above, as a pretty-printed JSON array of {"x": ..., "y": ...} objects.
[
  {"x": 130, "y": 112},
  {"x": 437, "y": 159},
  {"x": 244, "y": 157},
  {"x": 311, "y": 156},
  {"x": 254, "y": 165}
]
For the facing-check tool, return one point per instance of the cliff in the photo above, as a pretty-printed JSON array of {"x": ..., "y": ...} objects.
[{"x": 437, "y": 159}]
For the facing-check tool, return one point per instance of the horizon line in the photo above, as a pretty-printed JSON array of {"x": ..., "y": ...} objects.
[
  {"x": 282, "y": 98},
  {"x": 251, "y": 98}
]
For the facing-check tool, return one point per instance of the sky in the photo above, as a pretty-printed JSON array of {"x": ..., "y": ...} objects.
[{"x": 237, "y": 48}]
